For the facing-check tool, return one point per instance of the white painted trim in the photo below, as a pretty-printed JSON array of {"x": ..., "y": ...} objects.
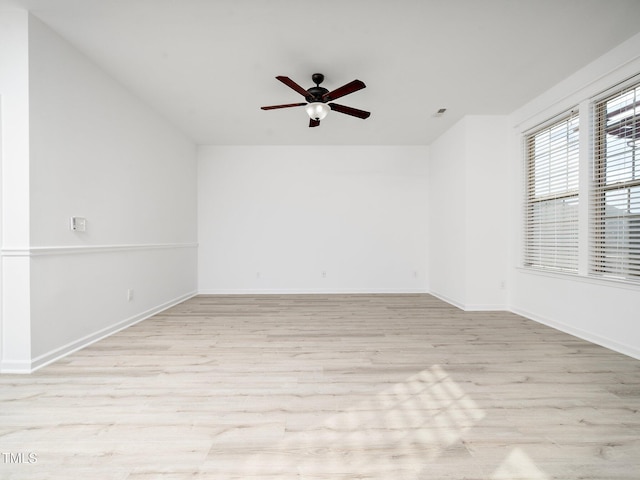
[
  {"x": 603, "y": 281},
  {"x": 480, "y": 307},
  {"x": 84, "y": 249},
  {"x": 448, "y": 300},
  {"x": 8, "y": 366},
  {"x": 15, "y": 367},
  {"x": 485, "y": 307},
  {"x": 583, "y": 334},
  {"x": 310, "y": 291}
]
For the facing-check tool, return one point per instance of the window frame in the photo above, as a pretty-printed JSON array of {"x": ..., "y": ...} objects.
[
  {"x": 627, "y": 268},
  {"x": 558, "y": 254}
]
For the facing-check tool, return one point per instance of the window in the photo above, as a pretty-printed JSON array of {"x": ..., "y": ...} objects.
[
  {"x": 551, "y": 217},
  {"x": 615, "y": 213}
]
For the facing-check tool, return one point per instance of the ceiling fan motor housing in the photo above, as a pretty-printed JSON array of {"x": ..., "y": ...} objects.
[{"x": 315, "y": 93}]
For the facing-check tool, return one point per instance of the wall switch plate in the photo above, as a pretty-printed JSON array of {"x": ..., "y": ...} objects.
[{"x": 78, "y": 224}]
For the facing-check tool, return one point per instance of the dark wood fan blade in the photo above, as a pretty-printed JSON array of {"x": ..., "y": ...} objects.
[
  {"x": 344, "y": 90},
  {"x": 349, "y": 110},
  {"x": 313, "y": 122},
  {"x": 273, "y": 107},
  {"x": 291, "y": 84}
]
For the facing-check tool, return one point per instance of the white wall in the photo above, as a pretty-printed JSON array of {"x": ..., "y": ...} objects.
[
  {"x": 15, "y": 301},
  {"x": 604, "y": 312},
  {"x": 272, "y": 219},
  {"x": 468, "y": 216},
  {"x": 98, "y": 152},
  {"x": 447, "y": 215},
  {"x": 487, "y": 183}
]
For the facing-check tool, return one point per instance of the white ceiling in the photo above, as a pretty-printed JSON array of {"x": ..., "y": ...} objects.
[{"x": 208, "y": 65}]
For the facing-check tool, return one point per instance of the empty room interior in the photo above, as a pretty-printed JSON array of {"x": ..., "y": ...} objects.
[{"x": 320, "y": 240}]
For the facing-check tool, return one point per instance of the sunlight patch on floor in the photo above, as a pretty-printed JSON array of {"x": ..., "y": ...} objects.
[
  {"x": 518, "y": 465},
  {"x": 394, "y": 433}
]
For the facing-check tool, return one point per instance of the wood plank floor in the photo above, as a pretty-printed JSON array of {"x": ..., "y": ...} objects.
[{"x": 326, "y": 387}]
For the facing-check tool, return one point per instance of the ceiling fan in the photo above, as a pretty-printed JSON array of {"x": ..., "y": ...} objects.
[{"x": 319, "y": 100}]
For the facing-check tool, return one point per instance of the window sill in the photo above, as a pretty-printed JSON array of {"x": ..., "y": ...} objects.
[{"x": 605, "y": 282}]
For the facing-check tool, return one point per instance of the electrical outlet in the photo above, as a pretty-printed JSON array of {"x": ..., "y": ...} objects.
[
  {"x": 130, "y": 295},
  {"x": 324, "y": 274},
  {"x": 78, "y": 224}
]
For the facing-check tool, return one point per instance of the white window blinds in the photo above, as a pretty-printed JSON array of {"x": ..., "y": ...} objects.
[
  {"x": 551, "y": 216},
  {"x": 615, "y": 212}
]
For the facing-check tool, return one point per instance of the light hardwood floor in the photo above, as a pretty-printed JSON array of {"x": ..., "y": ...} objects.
[{"x": 327, "y": 387}]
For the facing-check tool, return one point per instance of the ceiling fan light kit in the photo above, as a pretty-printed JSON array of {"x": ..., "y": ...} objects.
[
  {"x": 317, "y": 110},
  {"x": 319, "y": 99}
]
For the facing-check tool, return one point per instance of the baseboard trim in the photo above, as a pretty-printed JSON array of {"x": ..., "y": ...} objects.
[
  {"x": 13, "y": 367},
  {"x": 583, "y": 334},
  {"x": 479, "y": 307},
  {"x": 485, "y": 307},
  {"x": 448, "y": 300},
  {"x": 308, "y": 291},
  {"x": 61, "y": 352}
]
